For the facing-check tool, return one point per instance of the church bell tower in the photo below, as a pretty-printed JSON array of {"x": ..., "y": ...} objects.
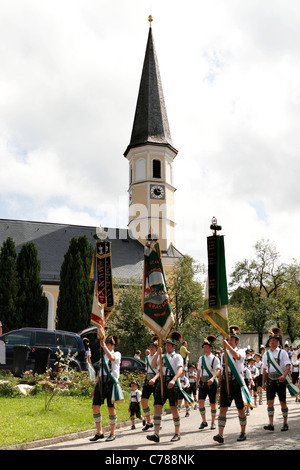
[{"x": 151, "y": 154}]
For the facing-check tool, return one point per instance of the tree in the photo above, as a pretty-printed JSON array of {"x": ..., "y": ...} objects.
[
  {"x": 9, "y": 287},
  {"x": 30, "y": 296},
  {"x": 127, "y": 320},
  {"x": 260, "y": 281},
  {"x": 186, "y": 293},
  {"x": 75, "y": 298}
]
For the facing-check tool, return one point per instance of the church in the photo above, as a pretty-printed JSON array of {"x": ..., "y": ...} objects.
[{"x": 150, "y": 154}]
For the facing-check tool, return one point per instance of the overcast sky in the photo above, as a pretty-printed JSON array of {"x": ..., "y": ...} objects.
[{"x": 69, "y": 78}]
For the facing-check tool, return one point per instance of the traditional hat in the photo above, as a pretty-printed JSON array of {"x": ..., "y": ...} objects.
[
  {"x": 257, "y": 354},
  {"x": 174, "y": 338},
  {"x": 276, "y": 333},
  {"x": 112, "y": 340},
  {"x": 136, "y": 382},
  {"x": 209, "y": 341},
  {"x": 234, "y": 330},
  {"x": 154, "y": 341}
]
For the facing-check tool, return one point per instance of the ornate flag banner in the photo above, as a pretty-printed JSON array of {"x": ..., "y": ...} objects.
[
  {"x": 156, "y": 305},
  {"x": 216, "y": 295},
  {"x": 101, "y": 273}
]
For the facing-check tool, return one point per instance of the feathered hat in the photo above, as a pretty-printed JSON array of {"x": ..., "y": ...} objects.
[
  {"x": 112, "y": 339},
  {"x": 154, "y": 341},
  {"x": 276, "y": 333},
  {"x": 174, "y": 338},
  {"x": 234, "y": 330},
  {"x": 209, "y": 341}
]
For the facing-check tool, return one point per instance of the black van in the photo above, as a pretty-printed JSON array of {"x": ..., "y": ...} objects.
[{"x": 36, "y": 338}]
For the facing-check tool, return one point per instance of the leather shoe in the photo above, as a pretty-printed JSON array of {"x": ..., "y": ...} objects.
[
  {"x": 147, "y": 426},
  {"x": 270, "y": 427},
  {"x": 285, "y": 427},
  {"x": 242, "y": 437},
  {"x": 96, "y": 437},
  {"x": 176, "y": 437},
  {"x": 154, "y": 437},
  {"x": 218, "y": 438},
  {"x": 111, "y": 437}
]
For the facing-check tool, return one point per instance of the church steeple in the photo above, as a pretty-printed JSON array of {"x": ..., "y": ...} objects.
[
  {"x": 151, "y": 125},
  {"x": 151, "y": 154}
]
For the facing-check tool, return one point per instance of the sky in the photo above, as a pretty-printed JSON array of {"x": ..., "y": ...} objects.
[{"x": 69, "y": 78}]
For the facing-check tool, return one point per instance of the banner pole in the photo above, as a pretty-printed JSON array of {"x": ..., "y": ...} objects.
[
  {"x": 226, "y": 370},
  {"x": 161, "y": 369}
]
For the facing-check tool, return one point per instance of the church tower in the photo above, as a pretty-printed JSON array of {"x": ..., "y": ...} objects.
[{"x": 150, "y": 154}]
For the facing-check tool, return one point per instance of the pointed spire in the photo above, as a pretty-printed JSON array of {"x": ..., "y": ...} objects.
[{"x": 151, "y": 125}]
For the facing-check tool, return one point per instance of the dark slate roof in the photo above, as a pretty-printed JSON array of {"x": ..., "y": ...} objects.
[
  {"x": 150, "y": 124},
  {"x": 52, "y": 242}
]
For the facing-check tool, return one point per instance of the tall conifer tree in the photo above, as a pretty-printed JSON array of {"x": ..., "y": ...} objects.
[
  {"x": 9, "y": 286},
  {"x": 31, "y": 298},
  {"x": 76, "y": 290}
]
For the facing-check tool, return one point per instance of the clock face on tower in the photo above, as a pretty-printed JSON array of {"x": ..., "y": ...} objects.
[{"x": 157, "y": 191}]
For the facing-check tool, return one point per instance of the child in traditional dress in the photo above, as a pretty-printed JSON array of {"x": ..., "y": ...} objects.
[{"x": 135, "y": 403}]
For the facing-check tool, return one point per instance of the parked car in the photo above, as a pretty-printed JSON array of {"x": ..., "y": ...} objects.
[
  {"x": 128, "y": 364},
  {"x": 36, "y": 338}
]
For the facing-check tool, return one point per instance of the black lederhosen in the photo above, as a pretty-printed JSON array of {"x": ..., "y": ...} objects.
[
  {"x": 135, "y": 409},
  {"x": 171, "y": 394},
  {"x": 258, "y": 381},
  {"x": 98, "y": 398},
  {"x": 234, "y": 394},
  {"x": 192, "y": 389},
  {"x": 148, "y": 389},
  {"x": 207, "y": 390},
  {"x": 273, "y": 387}
]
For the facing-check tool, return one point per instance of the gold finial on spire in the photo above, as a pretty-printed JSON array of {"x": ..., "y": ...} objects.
[{"x": 150, "y": 19}]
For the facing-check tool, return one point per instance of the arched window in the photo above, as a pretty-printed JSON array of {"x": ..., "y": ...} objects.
[{"x": 156, "y": 169}]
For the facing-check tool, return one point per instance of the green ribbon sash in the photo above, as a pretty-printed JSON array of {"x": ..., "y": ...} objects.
[
  {"x": 293, "y": 389},
  {"x": 244, "y": 389},
  {"x": 117, "y": 394},
  {"x": 203, "y": 360},
  {"x": 186, "y": 395}
]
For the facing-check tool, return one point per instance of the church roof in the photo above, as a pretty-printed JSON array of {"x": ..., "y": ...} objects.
[
  {"x": 52, "y": 243},
  {"x": 151, "y": 125}
]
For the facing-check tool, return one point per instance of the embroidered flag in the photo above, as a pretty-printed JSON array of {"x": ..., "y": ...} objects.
[
  {"x": 156, "y": 304},
  {"x": 216, "y": 295},
  {"x": 101, "y": 273}
]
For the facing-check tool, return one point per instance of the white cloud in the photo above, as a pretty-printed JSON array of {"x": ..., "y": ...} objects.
[{"x": 230, "y": 72}]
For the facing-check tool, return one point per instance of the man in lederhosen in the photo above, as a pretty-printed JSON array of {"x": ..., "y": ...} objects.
[
  {"x": 172, "y": 366},
  {"x": 237, "y": 357},
  {"x": 104, "y": 387},
  {"x": 274, "y": 381},
  {"x": 207, "y": 377},
  {"x": 151, "y": 376}
]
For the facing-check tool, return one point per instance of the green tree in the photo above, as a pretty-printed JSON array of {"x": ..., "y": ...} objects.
[
  {"x": 260, "y": 281},
  {"x": 186, "y": 295},
  {"x": 75, "y": 298},
  {"x": 9, "y": 286},
  {"x": 127, "y": 320},
  {"x": 30, "y": 296}
]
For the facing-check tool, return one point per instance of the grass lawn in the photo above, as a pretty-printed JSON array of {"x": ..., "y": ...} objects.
[{"x": 24, "y": 418}]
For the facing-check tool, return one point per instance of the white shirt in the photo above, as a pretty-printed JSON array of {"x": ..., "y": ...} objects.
[
  {"x": 147, "y": 367},
  {"x": 283, "y": 360},
  {"x": 212, "y": 362},
  {"x": 115, "y": 365},
  {"x": 135, "y": 396},
  {"x": 184, "y": 381},
  {"x": 175, "y": 361},
  {"x": 254, "y": 371},
  {"x": 258, "y": 365},
  {"x": 239, "y": 364}
]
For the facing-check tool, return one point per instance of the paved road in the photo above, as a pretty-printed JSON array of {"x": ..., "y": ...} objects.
[{"x": 193, "y": 439}]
